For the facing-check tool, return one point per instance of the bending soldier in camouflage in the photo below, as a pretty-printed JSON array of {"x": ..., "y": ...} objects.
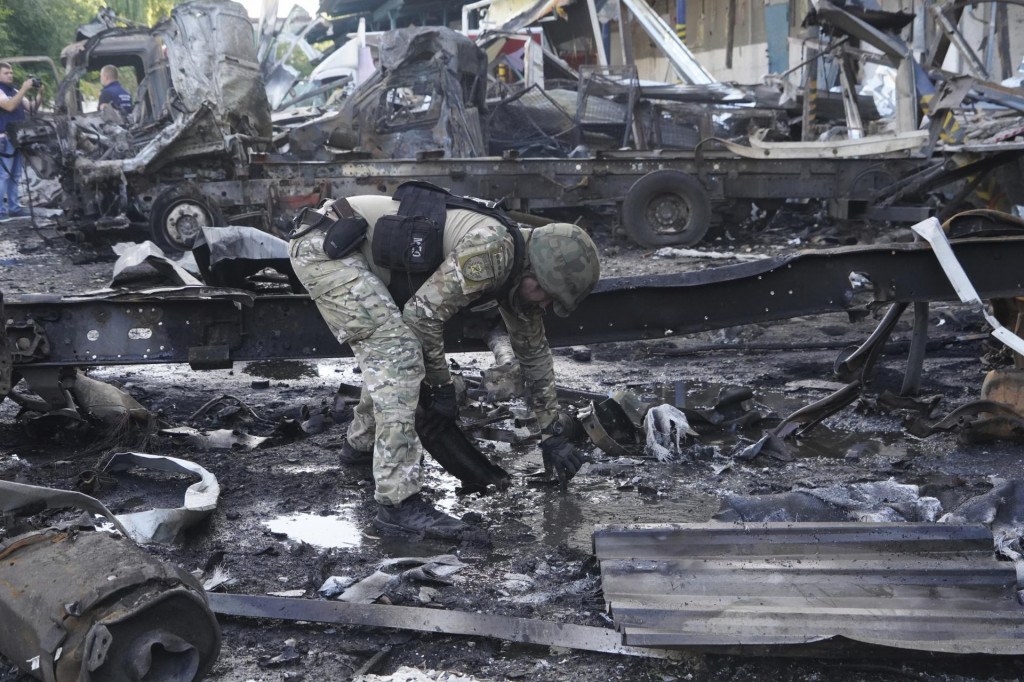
[{"x": 401, "y": 351}]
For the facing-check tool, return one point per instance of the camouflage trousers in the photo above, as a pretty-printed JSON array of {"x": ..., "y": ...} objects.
[{"x": 360, "y": 311}]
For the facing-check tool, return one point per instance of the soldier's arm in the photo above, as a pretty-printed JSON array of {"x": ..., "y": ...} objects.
[
  {"x": 467, "y": 272},
  {"x": 530, "y": 344}
]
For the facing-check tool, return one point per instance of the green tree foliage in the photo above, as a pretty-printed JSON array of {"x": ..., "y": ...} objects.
[
  {"x": 44, "y": 27},
  {"x": 5, "y": 39},
  {"x": 146, "y": 12}
]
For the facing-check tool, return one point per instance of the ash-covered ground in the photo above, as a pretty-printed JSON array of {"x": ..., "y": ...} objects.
[{"x": 290, "y": 516}]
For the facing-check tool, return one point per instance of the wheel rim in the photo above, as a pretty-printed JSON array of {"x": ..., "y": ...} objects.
[
  {"x": 668, "y": 213},
  {"x": 184, "y": 221}
]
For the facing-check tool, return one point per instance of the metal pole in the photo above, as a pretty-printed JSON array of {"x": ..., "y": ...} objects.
[{"x": 602, "y": 56}]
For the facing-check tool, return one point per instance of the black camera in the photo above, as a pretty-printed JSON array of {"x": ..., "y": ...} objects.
[{"x": 36, "y": 81}]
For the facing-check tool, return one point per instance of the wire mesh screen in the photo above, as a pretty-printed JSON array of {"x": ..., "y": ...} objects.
[
  {"x": 532, "y": 123},
  {"x": 605, "y": 101},
  {"x": 674, "y": 126}
]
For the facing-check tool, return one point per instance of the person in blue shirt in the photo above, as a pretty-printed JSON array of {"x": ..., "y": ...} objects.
[
  {"x": 12, "y": 110},
  {"x": 113, "y": 93}
]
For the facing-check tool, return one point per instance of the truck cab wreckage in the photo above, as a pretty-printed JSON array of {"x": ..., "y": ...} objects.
[{"x": 201, "y": 108}]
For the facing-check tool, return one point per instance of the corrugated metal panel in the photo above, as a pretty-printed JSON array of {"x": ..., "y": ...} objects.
[{"x": 935, "y": 587}]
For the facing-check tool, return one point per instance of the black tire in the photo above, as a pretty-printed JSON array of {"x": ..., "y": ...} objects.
[
  {"x": 666, "y": 208},
  {"x": 178, "y": 216}
]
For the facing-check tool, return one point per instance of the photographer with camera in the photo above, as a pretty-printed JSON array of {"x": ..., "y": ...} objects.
[{"x": 13, "y": 108}]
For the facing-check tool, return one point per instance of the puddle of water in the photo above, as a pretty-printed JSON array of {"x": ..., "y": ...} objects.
[
  {"x": 281, "y": 369},
  {"x": 337, "y": 530}
]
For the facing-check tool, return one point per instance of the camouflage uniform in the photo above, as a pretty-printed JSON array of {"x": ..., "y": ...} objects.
[{"x": 399, "y": 349}]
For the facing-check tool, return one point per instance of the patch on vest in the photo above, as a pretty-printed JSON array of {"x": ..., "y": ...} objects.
[{"x": 477, "y": 267}]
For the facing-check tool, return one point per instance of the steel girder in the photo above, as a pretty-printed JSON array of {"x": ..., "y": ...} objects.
[{"x": 221, "y": 326}]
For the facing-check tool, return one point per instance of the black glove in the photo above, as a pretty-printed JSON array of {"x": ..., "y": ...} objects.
[
  {"x": 561, "y": 457},
  {"x": 441, "y": 405}
]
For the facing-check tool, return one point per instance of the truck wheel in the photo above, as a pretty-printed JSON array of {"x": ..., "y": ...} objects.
[
  {"x": 178, "y": 216},
  {"x": 666, "y": 208}
]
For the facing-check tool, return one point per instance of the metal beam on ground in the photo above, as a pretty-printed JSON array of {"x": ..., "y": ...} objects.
[
  {"x": 212, "y": 328},
  {"x": 526, "y": 630}
]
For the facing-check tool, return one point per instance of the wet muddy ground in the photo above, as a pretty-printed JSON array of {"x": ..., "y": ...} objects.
[{"x": 290, "y": 516}]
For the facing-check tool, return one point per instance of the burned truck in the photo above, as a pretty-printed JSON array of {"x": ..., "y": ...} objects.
[
  {"x": 201, "y": 108},
  {"x": 200, "y": 150}
]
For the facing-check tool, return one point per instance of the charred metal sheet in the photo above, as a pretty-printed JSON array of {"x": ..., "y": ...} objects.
[
  {"x": 50, "y": 330},
  {"x": 608, "y": 426},
  {"x": 226, "y": 256},
  {"x": 146, "y": 262},
  {"x": 26, "y": 499},
  {"x": 932, "y": 587},
  {"x": 89, "y": 606},
  {"x": 165, "y": 525},
  {"x": 510, "y": 628},
  {"x": 223, "y": 69}
]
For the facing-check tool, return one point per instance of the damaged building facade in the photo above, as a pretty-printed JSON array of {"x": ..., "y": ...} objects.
[{"x": 802, "y": 464}]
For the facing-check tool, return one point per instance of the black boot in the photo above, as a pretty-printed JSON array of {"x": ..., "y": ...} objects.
[
  {"x": 416, "y": 516},
  {"x": 351, "y": 457}
]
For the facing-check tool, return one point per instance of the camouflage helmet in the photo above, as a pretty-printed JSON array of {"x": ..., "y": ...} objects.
[{"x": 564, "y": 261}]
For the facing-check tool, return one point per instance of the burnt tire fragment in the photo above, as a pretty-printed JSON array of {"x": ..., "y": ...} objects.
[
  {"x": 459, "y": 457},
  {"x": 666, "y": 208}
]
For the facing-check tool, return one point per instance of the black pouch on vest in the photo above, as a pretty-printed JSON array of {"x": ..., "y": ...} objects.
[
  {"x": 344, "y": 236},
  {"x": 408, "y": 243}
]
